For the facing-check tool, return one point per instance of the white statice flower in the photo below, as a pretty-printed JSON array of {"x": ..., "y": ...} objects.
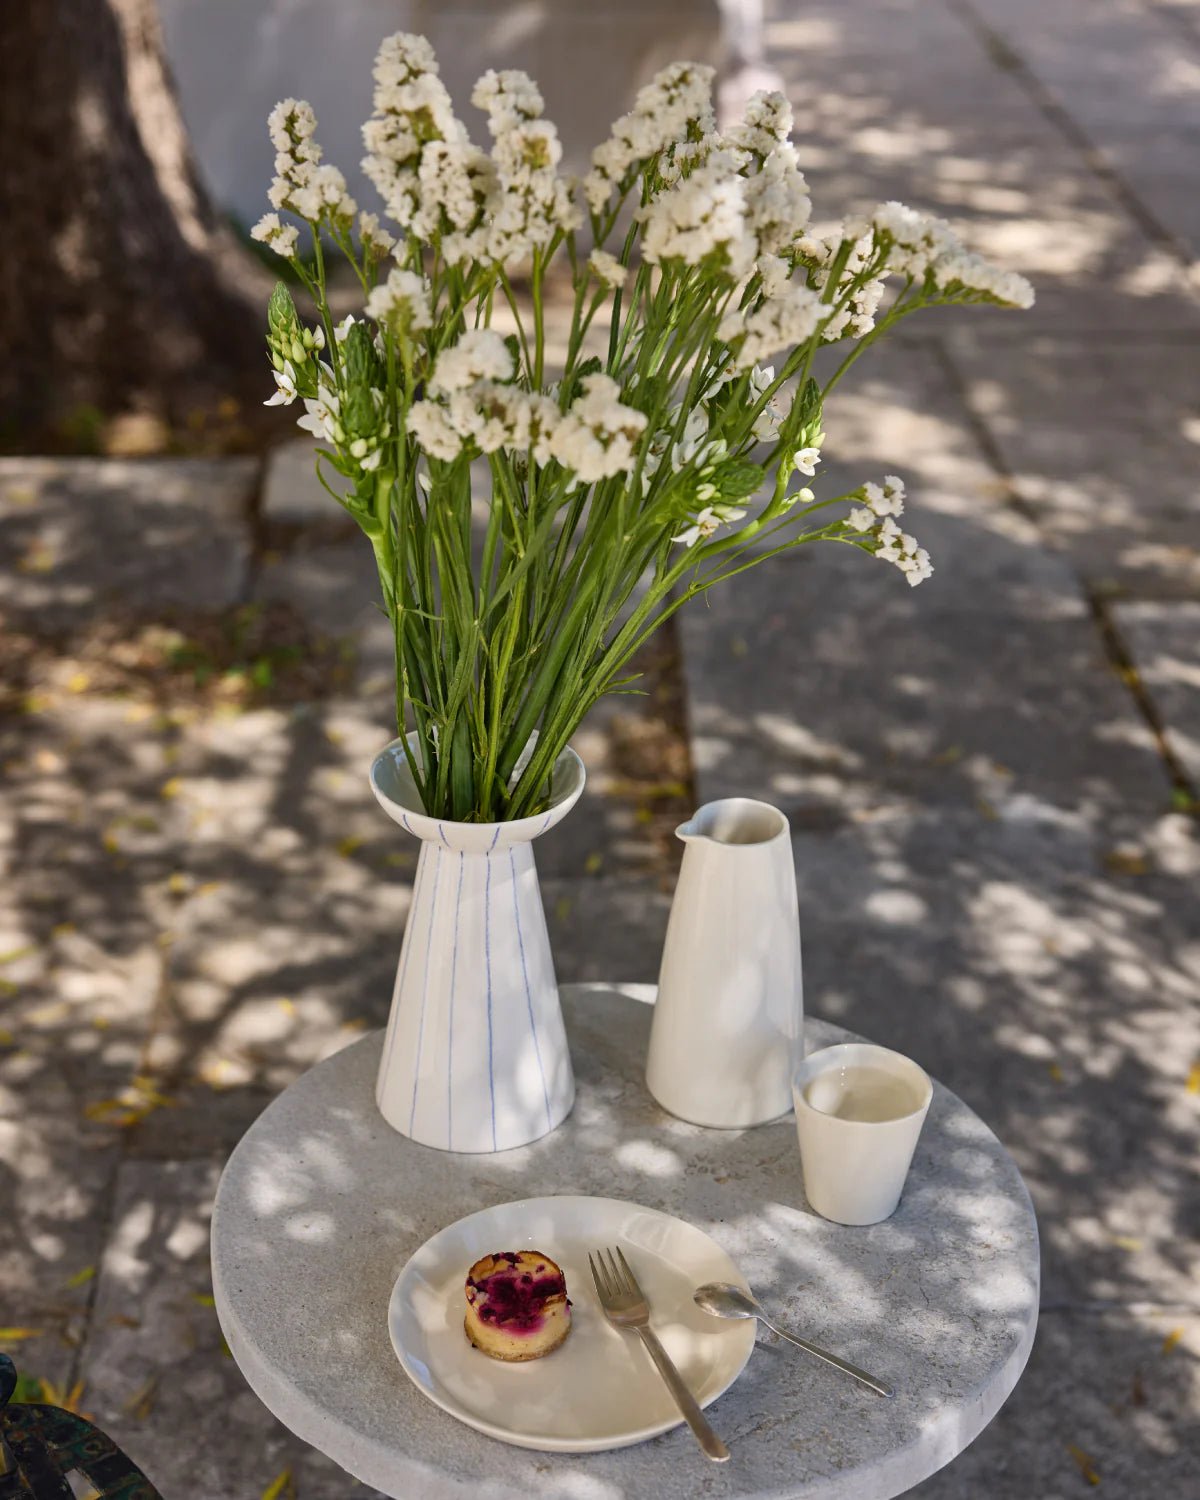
[
  {"x": 455, "y": 186},
  {"x": 376, "y": 240},
  {"x": 532, "y": 202},
  {"x": 702, "y": 218},
  {"x": 767, "y": 123},
  {"x": 776, "y": 323},
  {"x": 708, "y": 521},
  {"x": 607, "y": 268},
  {"x": 402, "y": 302},
  {"x": 430, "y": 424},
  {"x": 806, "y": 461},
  {"x": 494, "y": 416},
  {"x": 861, "y": 519},
  {"x": 285, "y": 386},
  {"x": 886, "y": 499},
  {"x": 922, "y": 246},
  {"x": 778, "y": 205},
  {"x": 898, "y": 547},
  {"x": 598, "y": 435},
  {"x": 301, "y": 184},
  {"x": 676, "y": 105},
  {"x": 855, "y": 305},
  {"x": 480, "y": 354},
  {"x": 961, "y": 269},
  {"x": 917, "y": 239},
  {"x": 411, "y": 108},
  {"x": 341, "y": 330},
  {"x": 508, "y": 98},
  {"x": 282, "y": 238}
]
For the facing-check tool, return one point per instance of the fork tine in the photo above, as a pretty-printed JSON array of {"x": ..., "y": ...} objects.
[
  {"x": 630, "y": 1279},
  {"x": 618, "y": 1281},
  {"x": 596, "y": 1277}
]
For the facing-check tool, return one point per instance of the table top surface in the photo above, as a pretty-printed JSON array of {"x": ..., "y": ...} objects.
[{"x": 322, "y": 1203}]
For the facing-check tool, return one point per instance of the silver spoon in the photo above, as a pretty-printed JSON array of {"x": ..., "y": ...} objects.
[{"x": 723, "y": 1300}]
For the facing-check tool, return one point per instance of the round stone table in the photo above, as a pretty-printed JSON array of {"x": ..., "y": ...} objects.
[{"x": 322, "y": 1203}]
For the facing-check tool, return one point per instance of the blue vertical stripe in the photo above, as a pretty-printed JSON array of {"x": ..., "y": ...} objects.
[
  {"x": 487, "y": 958},
  {"x": 495, "y": 838},
  {"x": 406, "y": 953},
  {"x": 412, "y": 1114},
  {"x": 442, "y": 832},
  {"x": 512, "y": 864},
  {"x": 450, "y": 1023}
]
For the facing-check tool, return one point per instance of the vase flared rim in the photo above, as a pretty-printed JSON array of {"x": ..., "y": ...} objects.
[{"x": 392, "y": 783}]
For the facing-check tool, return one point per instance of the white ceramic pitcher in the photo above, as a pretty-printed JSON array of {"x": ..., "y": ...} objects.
[{"x": 728, "y": 1022}]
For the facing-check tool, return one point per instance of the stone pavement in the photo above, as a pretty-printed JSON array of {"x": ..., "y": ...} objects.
[{"x": 989, "y": 778}]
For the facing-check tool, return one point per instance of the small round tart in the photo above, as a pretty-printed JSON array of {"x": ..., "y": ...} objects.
[{"x": 517, "y": 1305}]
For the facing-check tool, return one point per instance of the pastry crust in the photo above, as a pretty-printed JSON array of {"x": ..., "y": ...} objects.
[{"x": 517, "y": 1306}]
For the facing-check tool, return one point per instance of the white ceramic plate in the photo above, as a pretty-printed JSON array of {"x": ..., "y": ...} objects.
[{"x": 598, "y": 1389}]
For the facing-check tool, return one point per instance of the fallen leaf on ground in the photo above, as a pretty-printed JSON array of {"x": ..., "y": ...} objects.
[
  {"x": 1086, "y": 1466},
  {"x": 205, "y": 1299},
  {"x": 347, "y": 846},
  {"x": 1171, "y": 1340},
  {"x": 78, "y": 682},
  {"x": 1193, "y": 1079},
  {"x": 16, "y": 1335},
  {"x": 14, "y": 954},
  {"x": 1126, "y": 1242},
  {"x": 593, "y": 863},
  {"x": 1125, "y": 862},
  {"x": 280, "y": 1486},
  {"x": 141, "y": 1403},
  {"x": 131, "y": 1106},
  {"x": 81, "y": 1277},
  {"x": 1056, "y": 1073},
  {"x": 170, "y": 788}
]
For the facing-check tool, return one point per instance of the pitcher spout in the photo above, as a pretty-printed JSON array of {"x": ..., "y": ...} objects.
[{"x": 734, "y": 820}]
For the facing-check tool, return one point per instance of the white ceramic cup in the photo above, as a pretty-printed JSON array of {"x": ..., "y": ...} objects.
[{"x": 859, "y": 1111}]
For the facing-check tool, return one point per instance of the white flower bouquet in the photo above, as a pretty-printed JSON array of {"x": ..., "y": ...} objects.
[{"x": 641, "y": 474}]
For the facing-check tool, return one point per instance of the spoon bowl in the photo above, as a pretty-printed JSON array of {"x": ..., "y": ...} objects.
[{"x": 724, "y": 1300}]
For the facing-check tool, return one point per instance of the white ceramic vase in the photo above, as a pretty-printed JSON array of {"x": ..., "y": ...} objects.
[
  {"x": 728, "y": 1021},
  {"x": 475, "y": 1057}
]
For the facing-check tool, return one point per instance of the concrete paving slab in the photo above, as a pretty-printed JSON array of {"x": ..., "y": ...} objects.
[
  {"x": 1101, "y": 438},
  {"x": 897, "y": 101},
  {"x": 1126, "y": 76},
  {"x": 1164, "y": 641},
  {"x": 81, "y": 534},
  {"x": 156, "y": 1377},
  {"x": 55, "y": 1184}
]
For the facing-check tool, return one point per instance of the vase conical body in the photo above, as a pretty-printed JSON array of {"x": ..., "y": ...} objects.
[
  {"x": 728, "y": 1020},
  {"x": 475, "y": 1057}
]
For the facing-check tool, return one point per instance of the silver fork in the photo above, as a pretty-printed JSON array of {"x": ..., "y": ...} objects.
[{"x": 625, "y": 1306}]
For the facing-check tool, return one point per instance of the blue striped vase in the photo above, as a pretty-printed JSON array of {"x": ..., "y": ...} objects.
[{"x": 475, "y": 1057}]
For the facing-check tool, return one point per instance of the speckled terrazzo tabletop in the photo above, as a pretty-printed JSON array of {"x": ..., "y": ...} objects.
[{"x": 322, "y": 1203}]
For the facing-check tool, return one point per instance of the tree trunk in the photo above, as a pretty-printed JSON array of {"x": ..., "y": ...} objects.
[{"x": 121, "y": 290}]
